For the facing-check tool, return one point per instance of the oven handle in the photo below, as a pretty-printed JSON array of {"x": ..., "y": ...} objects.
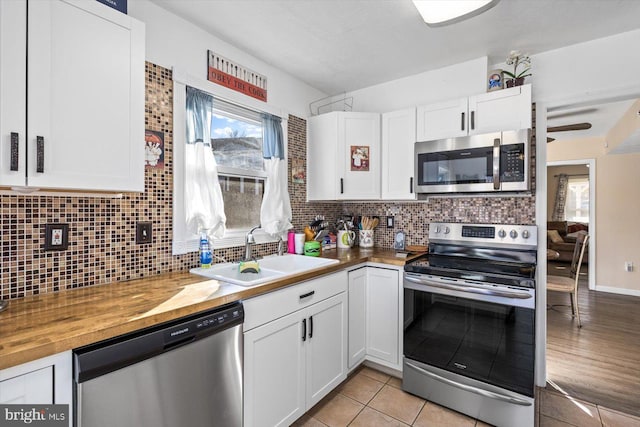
[
  {"x": 475, "y": 390},
  {"x": 469, "y": 289}
]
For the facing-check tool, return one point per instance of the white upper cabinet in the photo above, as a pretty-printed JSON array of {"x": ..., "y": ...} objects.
[
  {"x": 85, "y": 98},
  {"x": 506, "y": 109},
  {"x": 442, "y": 120},
  {"x": 343, "y": 156},
  {"x": 398, "y": 141},
  {"x": 13, "y": 82}
]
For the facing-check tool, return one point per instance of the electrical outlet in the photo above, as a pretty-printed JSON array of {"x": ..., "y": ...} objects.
[
  {"x": 144, "y": 232},
  {"x": 389, "y": 222},
  {"x": 628, "y": 266},
  {"x": 56, "y": 237}
]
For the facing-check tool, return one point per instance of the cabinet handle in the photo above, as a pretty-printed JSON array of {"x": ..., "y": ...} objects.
[
  {"x": 304, "y": 329},
  {"x": 341, "y": 186},
  {"x": 411, "y": 185},
  {"x": 310, "y": 327},
  {"x": 308, "y": 294},
  {"x": 473, "y": 120},
  {"x": 14, "y": 151},
  {"x": 40, "y": 154},
  {"x": 462, "y": 121}
]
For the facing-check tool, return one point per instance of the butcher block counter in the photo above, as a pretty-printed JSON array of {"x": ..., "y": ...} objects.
[{"x": 41, "y": 325}]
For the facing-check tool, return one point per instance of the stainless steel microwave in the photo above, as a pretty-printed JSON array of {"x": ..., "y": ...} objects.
[{"x": 488, "y": 163}]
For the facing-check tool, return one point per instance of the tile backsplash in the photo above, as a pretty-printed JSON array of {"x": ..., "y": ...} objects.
[{"x": 102, "y": 246}]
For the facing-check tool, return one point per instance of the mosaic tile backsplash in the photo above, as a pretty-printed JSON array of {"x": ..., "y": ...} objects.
[{"x": 102, "y": 246}]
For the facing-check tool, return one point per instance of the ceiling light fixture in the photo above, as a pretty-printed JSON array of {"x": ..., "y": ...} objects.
[{"x": 437, "y": 13}]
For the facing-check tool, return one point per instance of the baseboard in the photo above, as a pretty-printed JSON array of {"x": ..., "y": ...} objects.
[{"x": 620, "y": 291}]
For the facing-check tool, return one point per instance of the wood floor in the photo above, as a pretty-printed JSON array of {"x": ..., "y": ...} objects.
[{"x": 600, "y": 362}]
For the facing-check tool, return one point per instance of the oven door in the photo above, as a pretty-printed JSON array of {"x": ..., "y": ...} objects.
[{"x": 473, "y": 330}]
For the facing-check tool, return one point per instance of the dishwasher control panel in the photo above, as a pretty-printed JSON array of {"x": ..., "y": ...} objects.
[{"x": 204, "y": 324}]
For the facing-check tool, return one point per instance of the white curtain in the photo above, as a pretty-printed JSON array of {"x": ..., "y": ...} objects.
[
  {"x": 275, "y": 212},
  {"x": 204, "y": 206}
]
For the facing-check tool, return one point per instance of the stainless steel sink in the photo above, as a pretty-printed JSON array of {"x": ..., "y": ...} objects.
[{"x": 271, "y": 268}]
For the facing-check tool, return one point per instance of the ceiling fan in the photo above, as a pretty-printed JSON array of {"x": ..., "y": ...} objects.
[{"x": 567, "y": 128}]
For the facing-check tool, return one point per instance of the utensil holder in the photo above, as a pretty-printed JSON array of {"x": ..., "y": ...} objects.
[{"x": 366, "y": 238}]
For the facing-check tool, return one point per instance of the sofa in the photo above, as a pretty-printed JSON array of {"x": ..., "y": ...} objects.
[{"x": 561, "y": 237}]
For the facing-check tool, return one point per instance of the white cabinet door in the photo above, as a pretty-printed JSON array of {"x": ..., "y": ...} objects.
[
  {"x": 33, "y": 388},
  {"x": 507, "y": 109},
  {"x": 359, "y": 156},
  {"x": 326, "y": 347},
  {"x": 398, "y": 141},
  {"x": 446, "y": 119},
  {"x": 86, "y": 97},
  {"x": 322, "y": 148},
  {"x": 13, "y": 74},
  {"x": 274, "y": 372},
  {"x": 357, "y": 316},
  {"x": 383, "y": 293}
]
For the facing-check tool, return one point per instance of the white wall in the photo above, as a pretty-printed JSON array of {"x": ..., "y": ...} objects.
[
  {"x": 455, "y": 81},
  {"x": 601, "y": 69},
  {"x": 174, "y": 42}
]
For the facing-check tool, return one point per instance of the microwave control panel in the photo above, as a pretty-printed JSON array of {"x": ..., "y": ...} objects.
[{"x": 512, "y": 163}]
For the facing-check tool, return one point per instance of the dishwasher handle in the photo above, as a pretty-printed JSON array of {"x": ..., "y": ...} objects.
[{"x": 107, "y": 356}]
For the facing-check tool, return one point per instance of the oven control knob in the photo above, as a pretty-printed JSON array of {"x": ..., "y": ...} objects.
[
  {"x": 436, "y": 229},
  {"x": 502, "y": 234},
  {"x": 513, "y": 234},
  {"x": 446, "y": 230},
  {"x": 525, "y": 234}
]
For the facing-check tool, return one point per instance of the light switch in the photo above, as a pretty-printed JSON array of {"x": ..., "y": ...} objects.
[{"x": 144, "y": 232}]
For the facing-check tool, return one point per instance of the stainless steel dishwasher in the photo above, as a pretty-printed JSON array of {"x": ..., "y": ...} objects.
[{"x": 186, "y": 372}]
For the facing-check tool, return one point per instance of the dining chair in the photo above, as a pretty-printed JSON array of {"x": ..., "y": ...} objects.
[{"x": 570, "y": 284}]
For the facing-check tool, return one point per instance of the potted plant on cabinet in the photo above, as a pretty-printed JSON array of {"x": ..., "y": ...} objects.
[{"x": 518, "y": 59}]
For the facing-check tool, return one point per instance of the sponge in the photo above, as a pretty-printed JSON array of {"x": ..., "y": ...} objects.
[{"x": 249, "y": 267}]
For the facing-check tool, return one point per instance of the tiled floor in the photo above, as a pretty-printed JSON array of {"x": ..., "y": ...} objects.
[{"x": 369, "y": 398}]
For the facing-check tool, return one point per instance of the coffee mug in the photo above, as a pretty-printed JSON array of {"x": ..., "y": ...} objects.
[
  {"x": 366, "y": 238},
  {"x": 299, "y": 243},
  {"x": 346, "y": 238}
]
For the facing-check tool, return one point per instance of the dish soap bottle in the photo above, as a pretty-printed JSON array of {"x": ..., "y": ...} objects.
[{"x": 206, "y": 257}]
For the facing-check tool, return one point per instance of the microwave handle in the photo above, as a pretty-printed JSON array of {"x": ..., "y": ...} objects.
[{"x": 496, "y": 164}]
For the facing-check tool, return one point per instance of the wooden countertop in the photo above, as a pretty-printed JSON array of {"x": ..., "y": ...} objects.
[{"x": 42, "y": 325}]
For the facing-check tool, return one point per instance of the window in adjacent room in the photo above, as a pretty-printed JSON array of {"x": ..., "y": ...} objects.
[{"x": 577, "y": 202}]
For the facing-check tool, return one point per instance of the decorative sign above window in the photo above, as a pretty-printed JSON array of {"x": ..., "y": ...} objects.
[{"x": 236, "y": 77}]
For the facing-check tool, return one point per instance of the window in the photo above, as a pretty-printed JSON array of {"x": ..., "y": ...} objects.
[
  {"x": 236, "y": 135},
  {"x": 236, "y": 140},
  {"x": 577, "y": 204}
]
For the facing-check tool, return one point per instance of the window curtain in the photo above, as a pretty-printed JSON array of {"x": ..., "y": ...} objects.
[
  {"x": 204, "y": 207},
  {"x": 561, "y": 198},
  {"x": 275, "y": 212}
]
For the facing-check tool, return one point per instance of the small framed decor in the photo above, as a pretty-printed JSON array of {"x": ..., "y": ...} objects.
[{"x": 495, "y": 80}]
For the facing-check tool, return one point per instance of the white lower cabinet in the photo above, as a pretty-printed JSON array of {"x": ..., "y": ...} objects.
[
  {"x": 40, "y": 382},
  {"x": 292, "y": 362},
  {"x": 357, "y": 316},
  {"x": 374, "y": 316},
  {"x": 383, "y": 329}
]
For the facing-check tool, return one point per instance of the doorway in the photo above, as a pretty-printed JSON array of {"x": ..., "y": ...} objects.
[{"x": 571, "y": 207}]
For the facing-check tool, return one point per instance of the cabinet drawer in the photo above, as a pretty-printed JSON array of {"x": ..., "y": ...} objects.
[{"x": 265, "y": 308}]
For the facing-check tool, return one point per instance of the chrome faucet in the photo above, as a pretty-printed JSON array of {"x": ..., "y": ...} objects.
[
  {"x": 280, "y": 246},
  {"x": 248, "y": 241}
]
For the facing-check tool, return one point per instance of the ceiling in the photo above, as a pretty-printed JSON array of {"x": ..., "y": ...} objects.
[
  {"x": 338, "y": 46},
  {"x": 602, "y": 118}
]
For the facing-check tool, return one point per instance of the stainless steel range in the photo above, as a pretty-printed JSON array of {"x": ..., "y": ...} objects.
[{"x": 469, "y": 321}]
